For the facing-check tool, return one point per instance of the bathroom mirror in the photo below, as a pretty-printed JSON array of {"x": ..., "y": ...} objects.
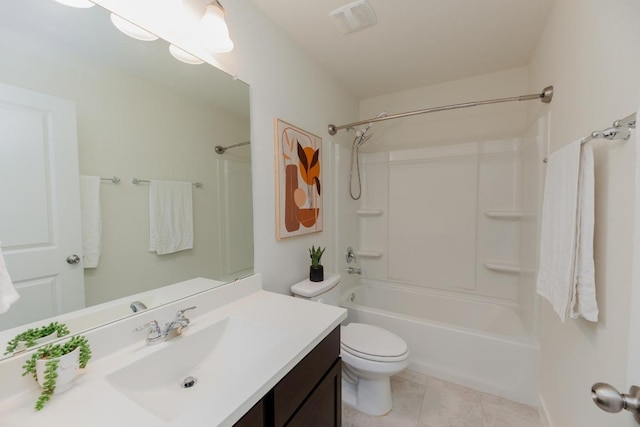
[{"x": 139, "y": 113}]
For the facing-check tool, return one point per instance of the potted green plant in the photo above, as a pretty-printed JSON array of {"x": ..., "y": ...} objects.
[
  {"x": 54, "y": 366},
  {"x": 316, "y": 271},
  {"x": 35, "y": 336}
]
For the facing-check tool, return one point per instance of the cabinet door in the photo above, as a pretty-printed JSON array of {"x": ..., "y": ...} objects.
[
  {"x": 253, "y": 418},
  {"x": 323, "y": 407},
  {"x": 292, "y": 391}
]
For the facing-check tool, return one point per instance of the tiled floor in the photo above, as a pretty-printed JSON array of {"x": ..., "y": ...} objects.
[{"x": 421, "y": 401}]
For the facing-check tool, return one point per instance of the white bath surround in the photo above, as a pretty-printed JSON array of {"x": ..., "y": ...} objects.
[{"x": 444, "y": 222}]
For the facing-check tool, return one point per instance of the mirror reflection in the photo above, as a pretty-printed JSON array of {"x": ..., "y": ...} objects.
[{"x": 79, "y": 98}]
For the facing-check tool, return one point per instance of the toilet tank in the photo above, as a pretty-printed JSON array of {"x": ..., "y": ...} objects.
[{"x": 325, "y": 292}]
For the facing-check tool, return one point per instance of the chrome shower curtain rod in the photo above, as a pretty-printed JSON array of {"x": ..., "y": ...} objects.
[
  {"x": 545, "y": 96},
  {"x": 220, "y": 149}
]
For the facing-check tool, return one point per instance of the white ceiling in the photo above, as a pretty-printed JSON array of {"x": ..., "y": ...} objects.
[{"x": 415, "y": 42}]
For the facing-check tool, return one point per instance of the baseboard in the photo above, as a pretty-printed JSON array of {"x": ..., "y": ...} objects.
[{"x": 544, "y": 415}]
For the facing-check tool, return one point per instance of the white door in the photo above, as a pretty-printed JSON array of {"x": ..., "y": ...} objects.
[
  {"x": 633, "y": 366},
  {"x": 39, "y": 204}
]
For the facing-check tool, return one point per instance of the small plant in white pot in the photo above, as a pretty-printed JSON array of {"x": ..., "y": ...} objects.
[
  {"x": 54, "y": 366},
  {"x": 316, "y": 271},
  {"x": 35, "y": 336}
]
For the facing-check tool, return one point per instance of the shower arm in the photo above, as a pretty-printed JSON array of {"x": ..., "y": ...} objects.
[{"x": 545, "y": 96}]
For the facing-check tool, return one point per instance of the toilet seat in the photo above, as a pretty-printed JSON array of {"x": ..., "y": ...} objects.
[{"x": 372, "y": 343}]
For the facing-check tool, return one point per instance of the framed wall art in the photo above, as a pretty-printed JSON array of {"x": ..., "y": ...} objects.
[{"x": 298, "y": 181}]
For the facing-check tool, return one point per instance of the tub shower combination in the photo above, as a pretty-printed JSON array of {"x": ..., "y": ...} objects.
[
  {"x": 449, "y": 271},
  {"x": 447, "y": 253}
]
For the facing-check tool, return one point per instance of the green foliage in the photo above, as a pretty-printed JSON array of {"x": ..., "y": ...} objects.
[
  {"x": 30, "y": 336},
  {"x": 52, "y": 352},
  {"x": 316, "y": 255}
]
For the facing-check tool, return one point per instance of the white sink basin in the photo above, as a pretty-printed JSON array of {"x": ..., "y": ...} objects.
[{"x": 220, "y": 357}]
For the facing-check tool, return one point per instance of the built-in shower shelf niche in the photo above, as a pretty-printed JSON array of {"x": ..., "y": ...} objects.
[
  {"x": 503, "y": 266},
  {"x": 369, "y": 254},
  {"x": 507, "y": 215},
  {"x": 369, "y": 212}
]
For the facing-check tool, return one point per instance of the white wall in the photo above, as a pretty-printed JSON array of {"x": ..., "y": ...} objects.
[
  {"x": 285, "y": 84},
  {"x": 589, "y": 53},
  {"x": 490, "y": 122},
  {"x": 131, "y": 127}
]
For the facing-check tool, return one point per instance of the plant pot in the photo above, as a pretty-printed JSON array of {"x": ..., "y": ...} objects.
[
  {"x": 22, "y": 345},
  {"x": 67, "y": 367},
  {"x": 316, "y": 274}
]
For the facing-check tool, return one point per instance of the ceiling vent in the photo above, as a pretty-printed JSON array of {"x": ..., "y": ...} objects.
[{"x": 353, "y": 17}]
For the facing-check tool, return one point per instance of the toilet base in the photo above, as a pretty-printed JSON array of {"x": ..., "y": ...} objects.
[{"x": 371, "y": 396}]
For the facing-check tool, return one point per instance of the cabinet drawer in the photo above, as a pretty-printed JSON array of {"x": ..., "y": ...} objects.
[{"x": 293, "y": 389}]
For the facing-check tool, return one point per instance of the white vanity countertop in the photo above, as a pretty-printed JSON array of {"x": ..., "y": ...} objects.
[{"x": 93, "y": 401}]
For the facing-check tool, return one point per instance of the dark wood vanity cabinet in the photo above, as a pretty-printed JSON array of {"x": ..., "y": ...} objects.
[{"x": 310, "y": 394}]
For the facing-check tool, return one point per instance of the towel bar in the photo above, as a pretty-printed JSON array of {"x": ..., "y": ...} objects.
[{"x": 140, "y": 181}]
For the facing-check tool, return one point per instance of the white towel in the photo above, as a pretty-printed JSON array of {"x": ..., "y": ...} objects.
[
  {"x": 91, "y": 220},
  {"x": 566, "y": 276},
  {"x": 8, "y": 294},
  {"x": 170, "y": 216},
  {"x": 585, "y": 303}
]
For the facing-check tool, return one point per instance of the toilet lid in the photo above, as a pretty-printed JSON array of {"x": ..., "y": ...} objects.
[{"x": 361, "y": 339}]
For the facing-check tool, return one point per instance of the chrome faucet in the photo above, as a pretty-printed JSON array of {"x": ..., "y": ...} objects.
[
  {"x": 137, "y": 306},
  {"x": 354, "y": 270},
  {"x": 171, "y": 329},
  {"x": 177, "y": 325}
]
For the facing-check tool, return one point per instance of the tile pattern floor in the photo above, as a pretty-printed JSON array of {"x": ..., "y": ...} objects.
[{"x": 422, "y": 401}]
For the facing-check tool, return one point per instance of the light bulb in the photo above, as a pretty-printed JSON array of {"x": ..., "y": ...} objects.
[
  {"x": 214, "y": 30},
  {"x": 83, "y": 4},
  {"x": 132, "y": 30},
  {"x": 184, "y": 56}
]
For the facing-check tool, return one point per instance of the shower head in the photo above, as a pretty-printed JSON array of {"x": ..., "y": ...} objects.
[
  {"x": 361, "y": 135},
  {"x": 362, "y": 139},
  {"x": 220, "y": 149}
]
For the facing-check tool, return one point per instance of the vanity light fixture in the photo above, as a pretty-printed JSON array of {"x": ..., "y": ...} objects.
[
  {"x": 82, "y": 4},
  {"x": 214, "y": 30},
  {"x": 184, "y": 56},
  {"x": 132, "y": 30}
]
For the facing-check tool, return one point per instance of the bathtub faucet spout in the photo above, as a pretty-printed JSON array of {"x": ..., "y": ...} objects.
[{"x": 354, "y": 270}]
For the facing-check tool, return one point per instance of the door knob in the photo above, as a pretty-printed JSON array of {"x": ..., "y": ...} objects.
[
  {"x": 611, "y": 400},
  {"x": 73, "y": 259}
]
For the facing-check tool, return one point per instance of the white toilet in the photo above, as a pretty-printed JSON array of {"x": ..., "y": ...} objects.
[{"x": 370, "y": 355}]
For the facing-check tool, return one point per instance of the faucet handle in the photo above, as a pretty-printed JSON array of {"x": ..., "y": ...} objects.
[
  {"x": 180, "y": 313},
  {"x": 152, "y": 325},
  {"x": 154, "y": 329}
]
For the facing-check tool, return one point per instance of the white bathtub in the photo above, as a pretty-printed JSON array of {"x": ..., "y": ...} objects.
[{"x": 471, "y": 342}]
